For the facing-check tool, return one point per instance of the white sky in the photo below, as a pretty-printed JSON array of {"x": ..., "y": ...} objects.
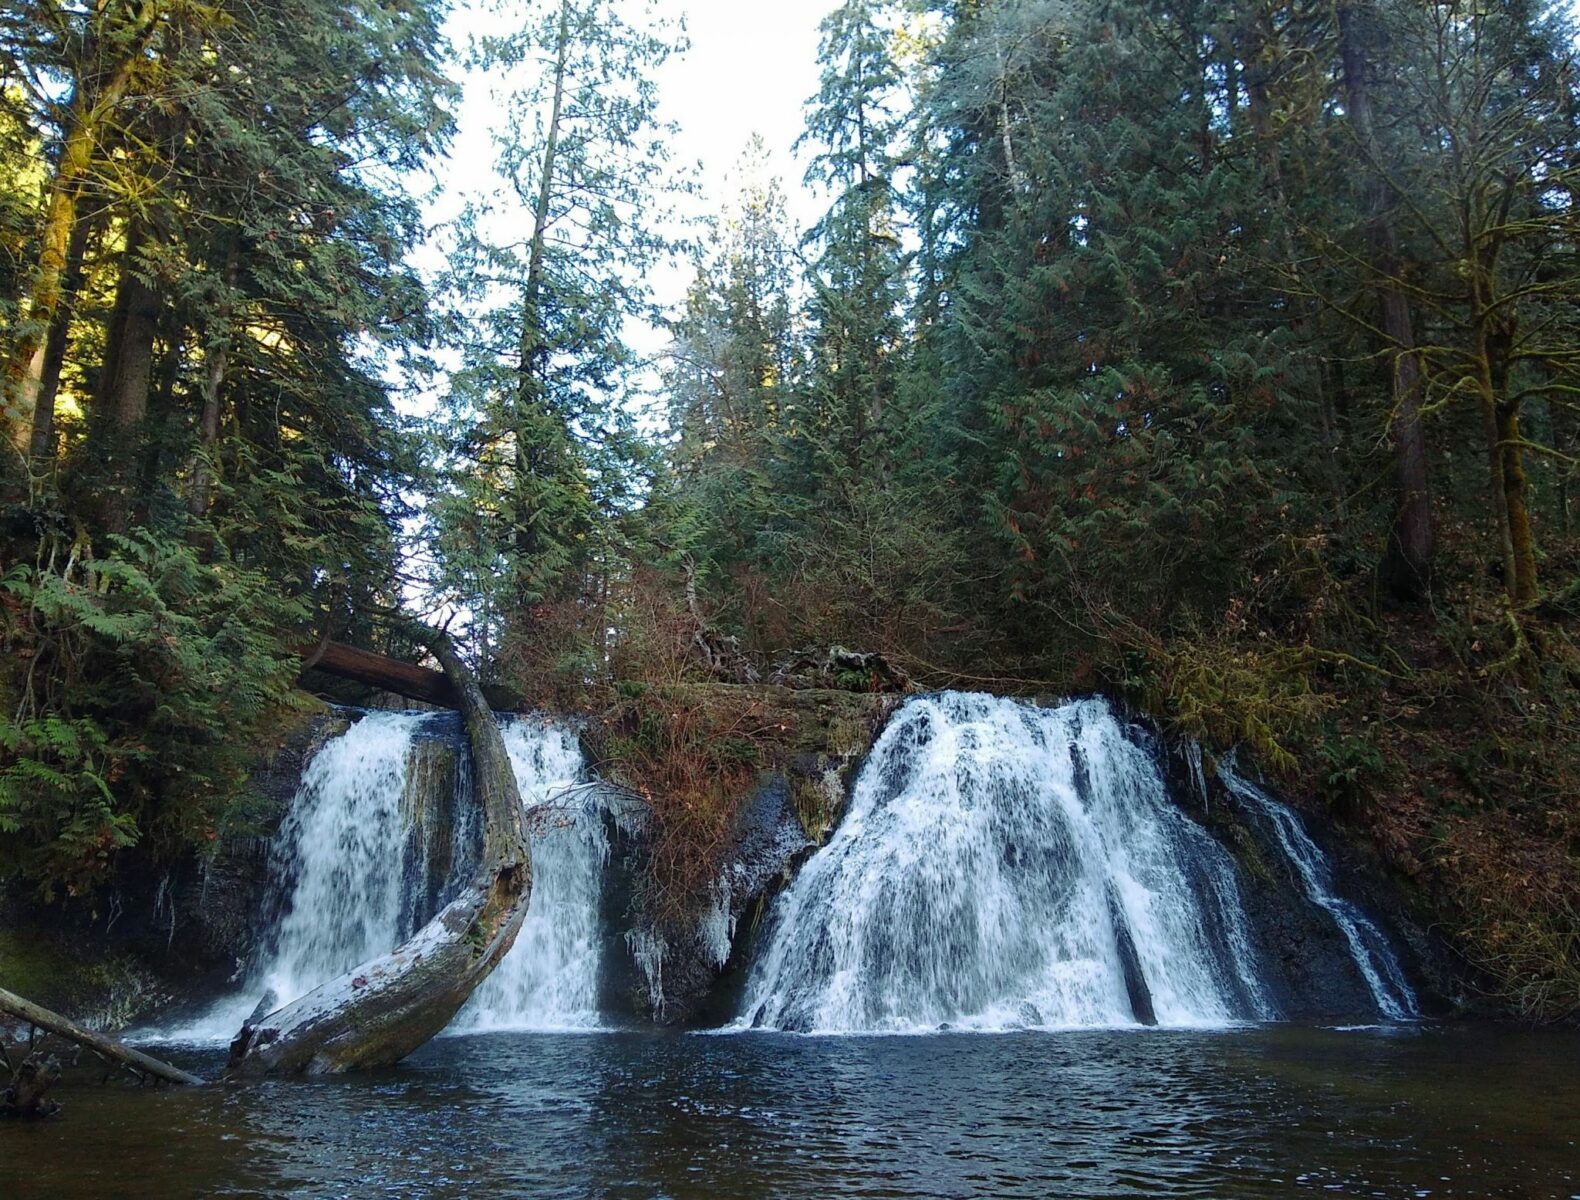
[{"x": 750, "y": 69}]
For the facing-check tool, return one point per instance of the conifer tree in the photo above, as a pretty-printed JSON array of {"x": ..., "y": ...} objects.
[
  {"x": 546, "y": 452},
  {"x": 857, "y": 281}
]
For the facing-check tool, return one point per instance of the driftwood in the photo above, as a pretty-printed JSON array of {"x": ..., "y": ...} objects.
[
  {"x": 719, "y": 654},
  {"x": 27, "y": 1095},
  {"x": 392, "y": 675},
  {"x": 838, "y": 668},
  {"x": 379, "y": 1012},
  {"x": 108, "y": 1048}
]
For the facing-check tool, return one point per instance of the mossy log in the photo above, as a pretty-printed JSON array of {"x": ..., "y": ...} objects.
[{"x": 379, "y": 1012}]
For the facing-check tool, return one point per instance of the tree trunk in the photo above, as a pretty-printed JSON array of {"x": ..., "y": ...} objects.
[
  {"x": 122, "y": 400},
  {"x": 95, "y": 100},
  {"x": 1406, "y": 569},
  {"x": 1412, "y": 540},
  {"x": 391, "y": 675},
  {"x": 54, "y": 355},
  {"x": 218, "y": 352},
  {"x": 1505, "y": 458},
  {"x": 1500, "y": 500},
  {"x": 379, "y": 1012},
  {"x": 132, "y": 1060},
  {"x": 1522, "y": 544}
]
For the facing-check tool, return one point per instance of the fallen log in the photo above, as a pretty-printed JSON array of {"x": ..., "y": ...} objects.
[
  {"x": 133, "y": 1060},
  {"x": 392, "y": 675},
  {"x": 379, "y": 1012}
]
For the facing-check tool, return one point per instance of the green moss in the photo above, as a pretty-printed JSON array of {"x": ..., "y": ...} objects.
[
  {"x": 30, "y": 969},
  {"x": 813, "y": 805},
  {"x": 102, "y": 992},
  {"x": 1250, "y": 854}
]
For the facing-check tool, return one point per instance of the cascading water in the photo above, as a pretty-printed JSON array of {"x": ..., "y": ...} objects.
[
  {"x": 334, "y": 852},
  {"x": 367, "y": 854},
  {"x": 1373, "y": 955},
  {"x": 549, "y": 980},
  {"x": 1001, "y": 866}
]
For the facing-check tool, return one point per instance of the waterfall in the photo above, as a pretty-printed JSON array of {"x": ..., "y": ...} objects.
[
  {"x": 380, "y": 834},
  {"x": 1373, "y": 955},
  {"x": 338, "y": 843},
  {"x": 1001, "y": 866},
  {"x": 549, "y": 980}
]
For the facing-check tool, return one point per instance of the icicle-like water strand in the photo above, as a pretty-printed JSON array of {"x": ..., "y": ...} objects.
[
  {"x": 1004, "y": 866},
  {"x": 549, "y": 980},
  {"x": 1373, "y": 955}
]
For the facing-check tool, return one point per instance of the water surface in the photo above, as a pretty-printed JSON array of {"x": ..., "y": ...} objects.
[{"x": 1276, "y": 1111}]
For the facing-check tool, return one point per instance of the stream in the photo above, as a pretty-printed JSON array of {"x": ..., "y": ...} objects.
[{"x": 1394, "y": 1111}]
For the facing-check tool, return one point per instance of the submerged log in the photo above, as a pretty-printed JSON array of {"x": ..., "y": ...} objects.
[
  {"x": 108, "y": 1048},
  {"x": 379, "y": 1012},
  {"x": 392, "y": 675},
  {"x": 27, "y": 1095}
]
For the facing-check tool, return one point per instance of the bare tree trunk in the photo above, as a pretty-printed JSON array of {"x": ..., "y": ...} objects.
[
  {"x": 218, "y": 351},
  {"x": 379, "y": 1012},
  {"x": 1522, "y": 543},
  {"x": 1406, "y": 569},
  {"x": 95, "y": 101},
  {"x": 392, "y": 675},
  {"x": 122, "y": 401},
  {"x": 54, "y": 353},
  {"x": 133, "y": 1060}
]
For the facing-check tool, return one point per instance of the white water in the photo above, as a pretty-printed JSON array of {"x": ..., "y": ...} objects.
[
  {"x": 995, "y": 859},
  {"x": 357, "y": 872},
  {"x": 549, "y": 980},
  {"x": 1370, "y": 949}
]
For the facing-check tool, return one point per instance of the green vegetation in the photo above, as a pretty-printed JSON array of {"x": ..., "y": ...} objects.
[
  {"x": 200, "y": 469},
  {"x": 1217, "y": 354}
]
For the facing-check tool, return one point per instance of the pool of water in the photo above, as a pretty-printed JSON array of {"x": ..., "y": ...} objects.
[{"x": 1408, "y": 1111}]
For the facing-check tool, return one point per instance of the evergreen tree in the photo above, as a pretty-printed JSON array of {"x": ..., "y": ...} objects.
[
  {"x": 546, "y": 454},
  {"x": 214, "y": 284},
  {"x": 857, "y": 279}
]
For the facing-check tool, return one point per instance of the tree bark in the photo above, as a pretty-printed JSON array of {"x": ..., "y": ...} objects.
[
  {"x": 1406, "y": 568},
  {"x": 379, "y": 1012},
  {"x": 133, "y": 1060},
  {"x": 1521, "y": 540},
  {"x": 97, "y": 98},
  {"x": 54, "y": 353},
  {"x": 122, "y": 401},
  {"x": 1506, "y": 460},
  {"x": 391, "y": 675},
  {"x": 218, "y": 353}
]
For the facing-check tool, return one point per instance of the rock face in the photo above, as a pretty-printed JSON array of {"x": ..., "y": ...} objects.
[
  {"x": 690, "y": 974},
  {"x": 206, "y": 911},
  {"x": 161, "y": 937},
  {"x": 185, "y": 933},
  {"x": 1308, "y": 968}
]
